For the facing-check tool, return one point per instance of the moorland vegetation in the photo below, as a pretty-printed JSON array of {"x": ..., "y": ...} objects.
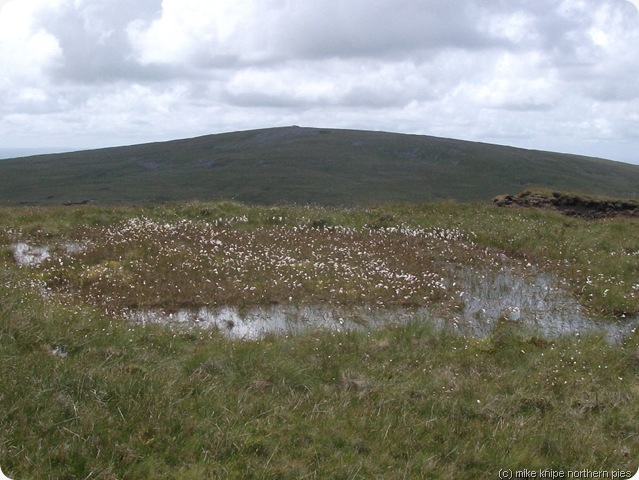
[
  {"x": 327, "y": 167},
  {"x": 87, "y": 394}
]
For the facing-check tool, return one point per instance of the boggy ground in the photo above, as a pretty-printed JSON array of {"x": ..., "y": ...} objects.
[
  {"x": 85, "y": 394},
  {"x": 193, "y": 255}
]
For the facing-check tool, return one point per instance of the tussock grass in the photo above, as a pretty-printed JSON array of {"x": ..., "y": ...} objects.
[
  {"x": 133, "y": 402},
  {"x": 116, "y": 400}
]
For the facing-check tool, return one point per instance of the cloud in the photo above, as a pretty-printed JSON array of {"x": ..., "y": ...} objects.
[
  {"x": 93, "y": 38},
  {"x": 196, "y": 34},
  {"x": 229, "y": 33},
  {"x": 26, "y": 49},
  {"x": 331, "y": 83},
  {"x": 546, "y": 74},
  {"x": 382, "y": 29}
]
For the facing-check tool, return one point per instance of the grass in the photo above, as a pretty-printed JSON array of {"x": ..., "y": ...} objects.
[
  {"x": 131, "y": 401},
  {"x": 229, "y": 253},
  {"x": 304, "y": 165}
]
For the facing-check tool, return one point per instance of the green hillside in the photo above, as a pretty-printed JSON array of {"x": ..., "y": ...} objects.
[{"x": 305, "y": 165}]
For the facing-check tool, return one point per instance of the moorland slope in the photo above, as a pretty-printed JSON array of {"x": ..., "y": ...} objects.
[{"x": 306, "y": 166}]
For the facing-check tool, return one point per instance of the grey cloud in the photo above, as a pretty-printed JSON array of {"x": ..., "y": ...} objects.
[
  {"x": 355, "y": 97},
  {"x": 94, "y": 42},
  {"x": 96, "y": 46},
  {"x": 24, "y": 105},
  {"x": 280, "y": 31},
  {"x": 369, "y": 97},
  {"x": 559, "y": 29},
  {"x": 525, "y": 105},
  {"x": 380, "y": 29},
  {"x": 265, "y": 99},
  {"x": 621, "y": 87}
]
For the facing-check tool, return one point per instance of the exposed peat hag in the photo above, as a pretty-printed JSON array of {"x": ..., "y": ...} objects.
[{"x": 581, "y": 206}]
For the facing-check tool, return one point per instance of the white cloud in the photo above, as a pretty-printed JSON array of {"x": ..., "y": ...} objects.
[
  {"x": 522, "y": 81},
  {"x": 544, "y": 74},
  {"x": 332, "y": 83},
  {"x": 25, "y": 49},
  {"x": 197, "y": 31}
]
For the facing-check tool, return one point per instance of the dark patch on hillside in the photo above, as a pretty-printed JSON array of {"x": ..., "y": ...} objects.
[{"x": 570, "y": 204}]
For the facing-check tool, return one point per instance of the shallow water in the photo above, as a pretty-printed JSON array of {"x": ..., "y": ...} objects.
[
  {"x": 537, "y": 301},
  {"x": 257, "y": 322},
  {"x": 27, "y": 255},
  {"x": 31, "y": 256}
]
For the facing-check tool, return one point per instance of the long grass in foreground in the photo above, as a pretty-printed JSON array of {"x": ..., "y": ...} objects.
[{"x": 85, "y": 396}]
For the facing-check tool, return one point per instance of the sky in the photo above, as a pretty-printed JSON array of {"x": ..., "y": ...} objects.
[{"x": 559, "y": 75}]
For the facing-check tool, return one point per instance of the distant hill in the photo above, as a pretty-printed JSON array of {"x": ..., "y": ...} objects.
[{"x": 305, "y": 165}]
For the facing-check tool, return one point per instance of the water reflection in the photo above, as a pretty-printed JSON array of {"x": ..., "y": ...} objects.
[
  {"x": 28, "y": 255},
  {"x": 539, "y": 303}
]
